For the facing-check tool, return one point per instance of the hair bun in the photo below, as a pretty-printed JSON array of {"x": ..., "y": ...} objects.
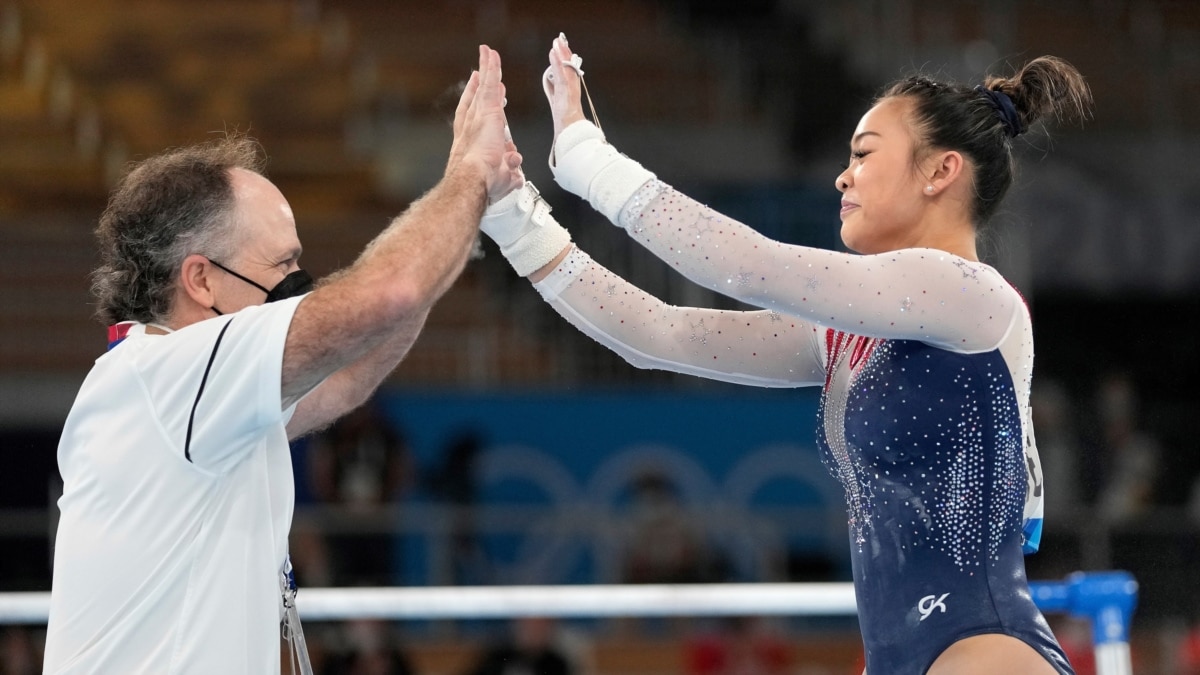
[
  {"x": 1005, "y": 110},
  {"x": 1045, "y": 86}
]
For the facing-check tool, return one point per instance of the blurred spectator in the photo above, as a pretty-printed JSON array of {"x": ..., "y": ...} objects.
[
  {"x": 19, "y": 652},
  {"x": 1130, "y": 456},
  {"x": 806, "y": 565},
  {"x": 455, "y": 480},
  {"x": 1193, "y": 504},
  {"x": 318, "y": 637},
  {"x": 1075, "y": 637},
  {"x": 663, "y": 546},
  {"x": 309, "y": 554},
  {"x": 536, "y": 646},
  {"x": 454, "y": 483},
  {"x": 361, "y": 463},
  {"x": 369, "y": 649},
  {"x": 361, "y": 460},
  {"x": 1187, "y": 654},
  {"x": 1057, "y": 444},
  {"x": 745, "y": 646}
]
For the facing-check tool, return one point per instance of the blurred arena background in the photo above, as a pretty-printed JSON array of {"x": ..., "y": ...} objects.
[{"x": 510, "y": 449}]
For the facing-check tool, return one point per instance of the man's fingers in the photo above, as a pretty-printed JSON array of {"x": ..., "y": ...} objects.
[
  {"x": 483, "y": 58},
  {"x": 499, "y": 70},
  {"x": 512, "y": 157},
  {"x": 464, "y": 101},
  {"x": 490, "y": 91},
  {"x": 481, "y": 125},
  {"x": 481, "y": 87},
  {"x": 489, "y": 68}
]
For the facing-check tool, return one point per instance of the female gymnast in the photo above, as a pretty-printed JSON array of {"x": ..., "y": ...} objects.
[{"x": 924, "y": 354}]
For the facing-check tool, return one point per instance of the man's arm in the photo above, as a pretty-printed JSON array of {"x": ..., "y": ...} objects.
[
  {"x": 370, "y": 314},
  {"x": 353, "y": 385}
]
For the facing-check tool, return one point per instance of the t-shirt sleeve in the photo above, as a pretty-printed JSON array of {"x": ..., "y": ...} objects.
[
  {"x": 215, "y": 385},
  {"x": 918, "y": 294},
  {"x": 758, "y": 348}
]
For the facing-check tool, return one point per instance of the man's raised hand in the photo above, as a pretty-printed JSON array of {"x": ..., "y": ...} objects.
[{"x": 481, "y": 137}]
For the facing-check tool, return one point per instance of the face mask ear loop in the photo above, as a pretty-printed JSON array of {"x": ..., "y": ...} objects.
[{"x": 245, "y": 279}]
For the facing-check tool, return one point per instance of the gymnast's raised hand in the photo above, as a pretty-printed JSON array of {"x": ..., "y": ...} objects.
[{"x": 562, "y": 85}]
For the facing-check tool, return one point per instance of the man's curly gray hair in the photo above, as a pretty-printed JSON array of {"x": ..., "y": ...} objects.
[{"x": 167, "y": 208}]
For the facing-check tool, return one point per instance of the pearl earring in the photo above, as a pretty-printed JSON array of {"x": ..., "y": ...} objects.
[{"x": 929, "y": 189}]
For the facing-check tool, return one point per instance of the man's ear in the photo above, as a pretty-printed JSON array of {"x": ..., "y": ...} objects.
[{"x": 196, "y": 280}]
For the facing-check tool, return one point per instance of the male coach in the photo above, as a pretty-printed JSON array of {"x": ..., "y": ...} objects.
[{"x": 171, "y": 553}]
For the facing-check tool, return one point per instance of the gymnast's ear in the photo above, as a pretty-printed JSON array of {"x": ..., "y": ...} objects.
[{"x": 943, "y": 169}]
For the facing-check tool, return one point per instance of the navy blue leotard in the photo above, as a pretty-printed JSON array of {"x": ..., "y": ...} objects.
[{"x": 928, "y": 446}]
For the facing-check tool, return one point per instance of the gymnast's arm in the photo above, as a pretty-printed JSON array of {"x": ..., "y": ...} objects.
[
  {"x": 920, "y": 294},
  {"x": 759, "y": 348}
]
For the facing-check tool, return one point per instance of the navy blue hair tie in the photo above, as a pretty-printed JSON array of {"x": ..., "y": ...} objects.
[{"x": 1005, "y": 109}]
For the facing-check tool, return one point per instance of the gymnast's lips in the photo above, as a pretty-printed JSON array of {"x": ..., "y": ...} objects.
[{"x": 847, "y": 206}]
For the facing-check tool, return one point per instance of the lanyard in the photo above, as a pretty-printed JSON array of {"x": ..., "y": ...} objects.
[{"x": 290, "y": 626}]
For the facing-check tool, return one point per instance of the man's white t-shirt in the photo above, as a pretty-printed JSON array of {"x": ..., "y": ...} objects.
[{"x": 176, "y": 505}]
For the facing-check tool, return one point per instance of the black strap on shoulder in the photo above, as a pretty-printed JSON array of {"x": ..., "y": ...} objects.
[{"x": 187, "y": 444}]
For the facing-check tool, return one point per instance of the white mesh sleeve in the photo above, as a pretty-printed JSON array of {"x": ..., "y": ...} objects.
[
  {"x": 920, "y": 294},
  {"x": 761, "y": 348}
]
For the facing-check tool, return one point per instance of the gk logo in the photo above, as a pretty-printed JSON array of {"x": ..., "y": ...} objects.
[{"x": 930, "y": 603}]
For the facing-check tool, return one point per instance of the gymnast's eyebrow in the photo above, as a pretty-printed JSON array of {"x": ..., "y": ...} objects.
[{"x": 858, "y": 137}]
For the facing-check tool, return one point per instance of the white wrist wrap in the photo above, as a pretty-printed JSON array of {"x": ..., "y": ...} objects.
[
  {"x": 527, "y": 234},
  {"x": 584, "y": 164}
]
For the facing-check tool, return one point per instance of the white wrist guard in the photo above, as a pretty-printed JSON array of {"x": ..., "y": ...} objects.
[
  {"x": 584, "y": 164},
  {"x": 527, "y": 234}
]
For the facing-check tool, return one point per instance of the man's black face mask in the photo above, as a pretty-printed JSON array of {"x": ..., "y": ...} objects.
[{"x": 296, "y": 283}]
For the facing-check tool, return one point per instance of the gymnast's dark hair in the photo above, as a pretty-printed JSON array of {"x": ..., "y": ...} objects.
[{"x": 981, "y": 122}]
